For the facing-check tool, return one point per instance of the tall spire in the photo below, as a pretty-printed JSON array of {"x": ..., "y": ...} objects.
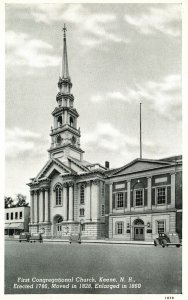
[{"x": 65, "y": 70}]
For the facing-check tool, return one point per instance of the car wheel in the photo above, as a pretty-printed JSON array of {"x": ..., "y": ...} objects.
[
  {"x": 177, "y": 246},
  {"x": 164, "y": 243}
]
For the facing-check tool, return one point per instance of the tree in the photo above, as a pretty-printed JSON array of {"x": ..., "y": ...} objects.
[
  {"x": 20, "y": 200},
  {"x": 8, "y": 202}
]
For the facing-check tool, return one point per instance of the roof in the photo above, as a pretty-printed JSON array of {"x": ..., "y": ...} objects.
[{"x": 140, "y": 164}]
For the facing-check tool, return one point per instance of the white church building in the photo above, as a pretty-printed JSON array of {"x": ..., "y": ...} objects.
[
  {"x": 69, "y": 194},
  {"x": 69, "y": 191}
]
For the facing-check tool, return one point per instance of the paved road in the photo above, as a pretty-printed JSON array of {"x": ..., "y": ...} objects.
[{"x": 153, "y": 270}]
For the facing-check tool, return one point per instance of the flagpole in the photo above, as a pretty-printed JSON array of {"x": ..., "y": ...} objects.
[{"x": 140, "y": 130}]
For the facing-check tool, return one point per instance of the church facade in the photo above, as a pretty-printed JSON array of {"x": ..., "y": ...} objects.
[{"x": 71, "y": 195}]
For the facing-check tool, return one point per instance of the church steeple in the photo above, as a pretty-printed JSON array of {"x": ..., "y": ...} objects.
[
  {"x": 64, "y": 83},
  {"x": 65, "y": 69},
  {"x": 64, "y": 134}
]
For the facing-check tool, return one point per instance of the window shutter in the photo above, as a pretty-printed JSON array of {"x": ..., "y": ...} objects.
[
  {"x": 145, "y": 197},
  {"x": 125, "y": 200},
  {"x": 168, "y": 194},
  {"x": 153, "y": 196},
  {"x": 113, "y": 201},
  {"x": 131, "y": 198}
]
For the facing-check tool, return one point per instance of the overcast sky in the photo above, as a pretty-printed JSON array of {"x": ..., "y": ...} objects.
[{"x": 119, "y": 55}]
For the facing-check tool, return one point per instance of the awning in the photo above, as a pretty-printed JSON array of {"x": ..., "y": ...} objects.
[{"x": 14, "y": 226}]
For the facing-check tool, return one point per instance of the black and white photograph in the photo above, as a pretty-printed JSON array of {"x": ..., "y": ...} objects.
[{"x": 93, "y": 149}]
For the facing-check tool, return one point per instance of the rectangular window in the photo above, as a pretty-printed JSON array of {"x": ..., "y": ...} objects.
[
  {"x": 102, "y": 210},
  {"x": 161, "y": 226},
  {"x": 11, "y": 216},
  {"x": 119, "y": 227},
  {"x": 82, "y": 212},
  {"x": 7, "y": 216},
  {"x": 20, "y": 214},
  {"x": 82, "y": 194},
  {"x": 119, "y": 198},
  {"x": 16, "y": 215},
  {"x": 139, "y": 198},
  {"x": 161, "y": 195},
  {"x": 83, "y": 227}
]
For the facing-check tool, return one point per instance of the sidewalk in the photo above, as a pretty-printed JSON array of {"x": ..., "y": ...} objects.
[{"x": 106, "y": 241}]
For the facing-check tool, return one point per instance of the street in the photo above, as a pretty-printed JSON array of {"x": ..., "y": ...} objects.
[{"x": 58, "y": 268}]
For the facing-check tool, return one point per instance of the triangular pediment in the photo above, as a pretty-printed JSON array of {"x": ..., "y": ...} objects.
[
  {"x": 53, "y": 167},
  {"x": 138, "y": 165}
]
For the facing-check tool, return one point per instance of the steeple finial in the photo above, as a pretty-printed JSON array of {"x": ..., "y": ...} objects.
[
  {"x": 64, "y": 29},
  {"x": 65, "y": 70}
]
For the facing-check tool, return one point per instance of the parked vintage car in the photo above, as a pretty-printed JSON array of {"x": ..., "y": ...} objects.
[
  {"x": 36, "y": 237},
  {"x": 166, "y": 239},
  {"x": 24, "y": 237},
  {"x": 75, "y": 238}
]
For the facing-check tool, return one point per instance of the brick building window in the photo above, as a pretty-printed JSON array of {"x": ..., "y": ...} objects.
[
  {"x": 102, "y": 210},
  {"x": 11, "y": 216},
  {"x": 58, "y": 195},
  {"x": 139, "y": 197},
  {"x": 82, "y": 194},
  {"x": 82, "y": 212},
  {"x": 161, "y": 226},
  {"x": 83, "y": 228},
  {"x": 16, "y": 215},
  {"x": 7, "y": 216},
  {"x": 20, "y": 214},
  {"x": 119, "y": 228},
  {"x": 119, "y": 200},
  {"x": 161, "y": 195}
]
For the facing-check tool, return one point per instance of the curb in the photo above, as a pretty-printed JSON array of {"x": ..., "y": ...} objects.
[{"x": 98, "y": 242}]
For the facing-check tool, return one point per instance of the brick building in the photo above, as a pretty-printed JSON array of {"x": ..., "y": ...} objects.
[
  {"x": 17, "y": 220},
  {"x": 145, "y": 197},
  {"x": 70, "y": 194}
]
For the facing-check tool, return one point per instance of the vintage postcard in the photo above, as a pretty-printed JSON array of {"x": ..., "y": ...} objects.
[{"x": 93, "y": 157}]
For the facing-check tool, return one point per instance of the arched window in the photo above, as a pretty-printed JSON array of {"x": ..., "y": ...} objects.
[
  {"x": 59, "y": 121},
  {"x": 58, "y": 198},
  {"x": 82, "y": 194},
  {"x": 58, "y": 139},
  {"x": 82, "y": 212},
  {"x": 71, "y": 121}
]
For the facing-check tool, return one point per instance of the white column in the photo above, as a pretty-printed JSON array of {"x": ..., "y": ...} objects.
[
  {"x": 66, "y": 121},
  {"x": 129, "y": 195},
  {"x": 87, "y": 201},
  {"x": 31, "y": 207},
  {"x": 35, "y": 207},
  {"x": 173, "y": 189},
  {"x": 46, "y": 217},
  {"x": 41, "y": 206},
  {"x": 71, "y": 195},
  {"x": 65, "y": 202},
  {"x": 95, "y": 200},
  {"x": 149, "y": 193},
  {"x": 110, "y": 198}
]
